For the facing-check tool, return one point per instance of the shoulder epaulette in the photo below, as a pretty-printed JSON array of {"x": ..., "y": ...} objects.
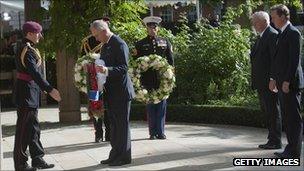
[{"x": 36, "y": 51}]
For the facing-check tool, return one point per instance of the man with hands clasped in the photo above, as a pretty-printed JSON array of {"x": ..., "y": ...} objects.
[{"x": 287, "y": 77}]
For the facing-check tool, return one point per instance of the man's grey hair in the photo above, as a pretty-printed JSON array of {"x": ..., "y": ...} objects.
[
  {"x": 100, "y": 25},
  {"x": 261, "y": 15}
]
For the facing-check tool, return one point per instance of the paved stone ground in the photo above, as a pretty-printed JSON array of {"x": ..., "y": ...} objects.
[{"x": 187, "y": 147}]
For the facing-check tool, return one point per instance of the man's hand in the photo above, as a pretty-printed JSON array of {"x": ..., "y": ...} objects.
[
  {"x": 101, "y": 69},
  {"x": 55, "y": 95},
  {"x": 285, "y": 87},
  {"x": 272, "y": 86}
]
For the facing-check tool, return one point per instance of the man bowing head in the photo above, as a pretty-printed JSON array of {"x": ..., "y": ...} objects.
[{"x": 118, "y": 89}]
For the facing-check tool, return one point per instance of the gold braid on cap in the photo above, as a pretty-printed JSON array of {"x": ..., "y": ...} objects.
[
  {"x": 86, "y": 47},
  {"x": 36, "y": 51}
]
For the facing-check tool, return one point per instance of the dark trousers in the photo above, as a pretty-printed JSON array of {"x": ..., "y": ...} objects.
[
  {"x": 292, "y": 119},
  {"x": 269, "y": 103},
  {"x": 27, "y": 134},
  {"x": 157, "y": 117},
  {"x": 98, "y": 126},
  {"x": 120, "y": 139}
]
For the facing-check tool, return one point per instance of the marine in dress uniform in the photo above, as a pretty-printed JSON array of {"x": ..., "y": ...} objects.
[
  {"x": 91, "y": 45},
  {"x": 152, "y": 44},
  {"x": 27, "y": 96}
]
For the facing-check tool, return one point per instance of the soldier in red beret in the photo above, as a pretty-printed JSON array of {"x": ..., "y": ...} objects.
[{"x": 28, "y": 85}]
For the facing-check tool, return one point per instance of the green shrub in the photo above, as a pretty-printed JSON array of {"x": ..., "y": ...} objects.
[
  {"x": 206, "y": 114},
  {"x": 214, "y": 64}
]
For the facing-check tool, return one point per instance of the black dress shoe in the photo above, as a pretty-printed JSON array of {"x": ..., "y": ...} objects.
[
  {"x": 98, "y": 139},
  {"x": 106, "y": 161},
  {"x": 162, "y": 137},
  {"x": 152, "y": 137},
  {"x": 107, "y": 136},
  {"x": 281, "y": 155},
  {"x": 42, "y": 165},
  {"x": 25, "y": 167},
  {"x": 270, "y": 146},
  {"x": 119, "y": 162}
]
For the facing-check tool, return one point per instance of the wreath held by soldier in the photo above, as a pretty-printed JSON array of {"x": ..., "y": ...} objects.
[{"x": 165, "y": 74}]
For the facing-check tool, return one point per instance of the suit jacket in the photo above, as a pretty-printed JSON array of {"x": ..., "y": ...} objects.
[
  {"x": 118, "y": 85},
  {"x": 260, "y": 57},
  {"x": 27, "y": 93},
  {"x": 153, "y": 45},
  {"x": 287, "y": 61}
]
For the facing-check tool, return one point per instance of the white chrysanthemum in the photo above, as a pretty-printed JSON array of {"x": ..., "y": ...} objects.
[
  {"x": 84, "y": 81},
  {"x": 165, "y": 71},
  {"x": 95, "y": 55},
  {"x": 77, "y": 77},
  {"x": 83, "y": 89}
]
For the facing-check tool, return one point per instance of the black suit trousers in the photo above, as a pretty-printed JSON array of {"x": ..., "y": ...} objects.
[
  {"x": 119, "y": 113},
  {"x": 27, "y": 134},
  {"x": 270, "y": 106},
  {"x": 290, "y": 106}
]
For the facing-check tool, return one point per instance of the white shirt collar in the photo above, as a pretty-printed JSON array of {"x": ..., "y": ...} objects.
[
  {"x": 111, "y": 34},
  {"x": 284, "y": 27},
  {"x": 261, "y": 34}
]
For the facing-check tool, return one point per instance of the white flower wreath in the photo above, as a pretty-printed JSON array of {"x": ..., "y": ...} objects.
[
  {"x": 80, "y": 74},
  {"x": 166, "y": 76}
]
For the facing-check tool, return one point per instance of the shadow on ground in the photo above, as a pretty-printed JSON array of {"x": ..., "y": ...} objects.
[
  {"x": 169, "y": 157},
  {"x": 10, "y": 129}
]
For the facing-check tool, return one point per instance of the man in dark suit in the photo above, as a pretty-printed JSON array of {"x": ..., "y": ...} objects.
[
  {"x": 287, "y": 75},
  {"x": 119, "y": 91},
  {"x": 261, "y": 54},
  {"x": 27, "y": 94},
  {"x": 153, "y": 44}
]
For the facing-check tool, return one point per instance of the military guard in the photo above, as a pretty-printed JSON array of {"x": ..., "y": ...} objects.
[
  {"x": 91, "y": 45},
  {"x": 27, "y": 96},
  {"x": 153, "y": 44}
]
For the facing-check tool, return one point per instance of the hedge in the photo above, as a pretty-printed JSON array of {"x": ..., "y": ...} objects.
[{"x": 206, "y": 114}]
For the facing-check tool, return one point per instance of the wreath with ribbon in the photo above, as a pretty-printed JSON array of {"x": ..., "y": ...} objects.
[
  {"x": 86, "y": 79},
  {"x": 164, "y": 71}
]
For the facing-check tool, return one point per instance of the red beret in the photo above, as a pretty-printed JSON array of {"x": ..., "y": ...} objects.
[{"x": 31, "y": 26}]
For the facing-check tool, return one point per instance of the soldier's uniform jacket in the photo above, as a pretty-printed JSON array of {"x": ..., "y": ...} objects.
[
  {"x": 158, "y": 46},
  {"x": 90, "y": 45},
  {"x": 29, "y": 76}
]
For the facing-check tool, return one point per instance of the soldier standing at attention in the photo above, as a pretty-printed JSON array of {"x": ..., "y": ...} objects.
[
  {"x": 152, "y": 44},
  {"x": 27, "y": 94},
  {"x": 91, "y": 45}
]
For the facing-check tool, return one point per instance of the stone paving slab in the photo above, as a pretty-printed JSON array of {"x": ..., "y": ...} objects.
[{"x": 187, "y": 147}]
